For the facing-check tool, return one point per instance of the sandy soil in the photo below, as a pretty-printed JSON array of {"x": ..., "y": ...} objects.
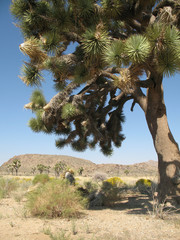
[{"x": 129, "y": 220}]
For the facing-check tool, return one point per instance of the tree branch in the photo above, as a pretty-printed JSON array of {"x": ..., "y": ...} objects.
[{"x": 145, "y": 83}]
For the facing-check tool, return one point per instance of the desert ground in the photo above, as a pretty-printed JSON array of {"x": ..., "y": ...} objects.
[{"x": 131, "y": 218}]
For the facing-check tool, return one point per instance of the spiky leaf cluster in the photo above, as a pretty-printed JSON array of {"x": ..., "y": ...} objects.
[
  {"x": 31, "y": 75},
  {"x": 137, "y": 48}
]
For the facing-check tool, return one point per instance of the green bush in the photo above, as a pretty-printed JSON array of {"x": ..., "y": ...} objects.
[
  {"x": 55, "y": 198},
  {"x": 41, "y": 178},
  {"x": 144, "y": 185},
  {"x": 7, "y": 186}
]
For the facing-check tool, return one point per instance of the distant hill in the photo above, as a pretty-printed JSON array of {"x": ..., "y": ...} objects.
[{"x": 28, "y": 161}]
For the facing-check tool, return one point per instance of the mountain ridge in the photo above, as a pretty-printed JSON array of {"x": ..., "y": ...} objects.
[{"x": 28, "y": 161}]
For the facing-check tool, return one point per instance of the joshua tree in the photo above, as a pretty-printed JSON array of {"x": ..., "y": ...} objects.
[
  {"x": 16, "y": 165},
  {"x": 80, "y": 170},
  {"x": 41, "y": 168},
  {"x": 58, "y": 168},
  {"x": 99, "y": 52},
  {"x": 47, "y": 169},
  {"x": 126, "y": 172},
  {"x": 10, "y": 168},
  {"x": 33, "y": 170}
]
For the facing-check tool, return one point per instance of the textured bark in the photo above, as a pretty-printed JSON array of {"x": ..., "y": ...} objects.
[{"x": 166, "y": 147}]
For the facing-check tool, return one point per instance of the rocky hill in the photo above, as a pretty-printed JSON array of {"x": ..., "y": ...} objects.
[{"x": 28, "y": 161}]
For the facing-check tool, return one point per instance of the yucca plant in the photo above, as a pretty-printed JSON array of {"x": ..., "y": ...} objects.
[{"x": 98, "y": 53}]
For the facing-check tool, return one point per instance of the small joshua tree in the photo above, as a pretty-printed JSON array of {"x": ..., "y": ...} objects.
[
  {"x": 33, "y": 170},
  {"x": 16, "y": 165},
  {"x": 80, "y": 171},
  {"x": 126, "y": 172},
  {"x": 41, "y": 168},
  {"x": 10, "y": 168},
  {"x": 60, "y": 166},
  {"x": 47, "y": 169}
]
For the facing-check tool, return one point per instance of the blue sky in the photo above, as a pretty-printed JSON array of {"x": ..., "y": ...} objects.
[{"x": 17, "y": 138}]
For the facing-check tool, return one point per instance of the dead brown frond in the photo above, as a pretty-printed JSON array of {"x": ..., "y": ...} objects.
[{"x": 32, "y": 48}]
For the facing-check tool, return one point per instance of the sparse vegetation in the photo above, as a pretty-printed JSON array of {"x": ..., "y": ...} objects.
[
  {"x": 7, "y": 186},
  {"x": 41, "y": 178},
  {"x": 55, "y": 198}
]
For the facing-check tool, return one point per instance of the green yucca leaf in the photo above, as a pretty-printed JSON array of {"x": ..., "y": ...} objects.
[
  {"x": 18, "y": 8},
  {"x": 113, "y": 9},
  {"x": 60, "y": 143},
  {"x": 168, "y": 62},
  {"x": 68, "y": 110},
  {"x": 114, "y": 53},
  {"x": 51, "y": 41},
  {"x": 137, "y": 48},
  {"x": 153, "y": 33},
  {"x": 37, "y": 99},
  {"x": 172, "y": 37},
  {"x": 30, "y": 75},
  {"x": 79, "y": 145},
  {"x": 107, "y": 151},
  {"x": 59, "y": 86},
  {"x": 82, "y": 74},
  {"x": 84, "y": 8},
  {"x": 36, "y": 124},
  {"x": 95, "y": 42}
]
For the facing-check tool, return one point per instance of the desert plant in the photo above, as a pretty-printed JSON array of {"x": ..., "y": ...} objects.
[
  {"x": 111, "y": 190},
  {"x": 16, "y": 165},
  {"x": 41, "y": 168},
  {"x": 7, "y": 186},
  {"x": 33, "y": 170},
  {"x": 58, "y": 236},
  {"x": 58, "y": 168},
  {"x": 10, "y": 169},
  {"x": 144, "y": 185},
  {"x": 55, "y": 198},
  {"x": 120, "y": 48},
  {"x": 80, "y": 171},
  {"x": 41, "y": 178},
  {"x": 90, "y": 186},
  {"x": 126, "y": 172},
  {"x": 47, "y": 169},
  {"x": 115, "y": 181}
]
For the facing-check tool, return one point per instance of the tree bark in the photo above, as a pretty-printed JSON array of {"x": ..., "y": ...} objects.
[{"x": 166, "y": 147}]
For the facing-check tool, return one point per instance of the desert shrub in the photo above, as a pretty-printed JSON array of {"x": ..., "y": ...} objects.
[
  {"x": 7, "y": 186},
  {"x": 55, "y": 198},
  {"x": 41, "y": 178},
  {"x": 115, "y": 181},
  {"x": 99, "y": 176},
  {"x": 144, "y": 185},
  {"x": 111, "y": 189},
  {"x": 90, "y": 186}
]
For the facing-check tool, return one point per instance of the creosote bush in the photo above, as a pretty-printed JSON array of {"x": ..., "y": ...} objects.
[
  {"x": 55, "y": 198},
  {"x": 41, "y": 178}
]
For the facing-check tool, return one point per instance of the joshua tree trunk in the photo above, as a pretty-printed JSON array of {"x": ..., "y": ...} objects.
[{"x": 166, "y": 147}]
